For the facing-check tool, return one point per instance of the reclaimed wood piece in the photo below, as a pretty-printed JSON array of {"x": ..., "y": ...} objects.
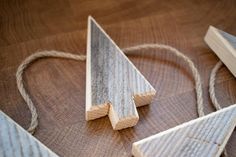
[
  {"x": 114, "y": 86},
  {"x": 224, "y": 45},
  {"x": 17, "y": 142},
  {"x": 205, "y": 137},
  {"x": 127, "y": 25}
]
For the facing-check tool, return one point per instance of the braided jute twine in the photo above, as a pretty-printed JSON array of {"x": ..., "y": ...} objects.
[{"x": 174, "y": 51}]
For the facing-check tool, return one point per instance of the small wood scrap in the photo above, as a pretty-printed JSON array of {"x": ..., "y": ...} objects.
[{"x": 224, "y": 45}]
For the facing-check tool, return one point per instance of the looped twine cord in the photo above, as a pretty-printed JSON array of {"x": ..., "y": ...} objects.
[
  {"x": 212, "y": 85},
  {"x": 214, "y": 101},
  {"x": 195, "y": 73},
  {"x": 20, "y": 85}
]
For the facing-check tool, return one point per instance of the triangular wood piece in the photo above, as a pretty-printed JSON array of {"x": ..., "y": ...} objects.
[
  {"x": 114, "y": 86},
  {"x": 202, "y": 137},
  {"x": 16, "y": 142},
  {"x": 224, "y": 45}
]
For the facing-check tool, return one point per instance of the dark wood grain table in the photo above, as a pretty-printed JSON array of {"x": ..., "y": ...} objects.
[{"x": 57, "y": 86}]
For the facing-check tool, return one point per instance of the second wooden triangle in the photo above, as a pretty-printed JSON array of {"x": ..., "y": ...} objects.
[{"x": 202, "y": 137}]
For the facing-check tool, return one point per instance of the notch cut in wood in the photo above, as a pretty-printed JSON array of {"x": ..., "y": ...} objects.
[
  {"x": 224, "y": 45},
  {"x": 203, "y": 137},
  {"x": 16, "y": 142},
  {"x": 114, "y": 86}
]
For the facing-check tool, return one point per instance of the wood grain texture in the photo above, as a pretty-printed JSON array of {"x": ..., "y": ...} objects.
[
  {"x": 17, "y": 142},
  {"x": 57, "y": 86},
  {"x": 205, "y": 137},
  {"x": 114, "y": 86},
  {"x": 224, "y": 45}
]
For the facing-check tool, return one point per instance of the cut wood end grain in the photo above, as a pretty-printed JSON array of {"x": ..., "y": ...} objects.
[
  {"x": 205, "y": 137},
  {"x": 224, "y": 46},
  {"x": 144, "y": 99},
  {"x": 114, "y": 86}
]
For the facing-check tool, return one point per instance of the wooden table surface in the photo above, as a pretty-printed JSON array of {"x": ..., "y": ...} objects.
[{"x": 57, "y": 86}]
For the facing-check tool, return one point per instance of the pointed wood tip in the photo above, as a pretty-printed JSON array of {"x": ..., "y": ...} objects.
[{"x": 90, "y": 18}]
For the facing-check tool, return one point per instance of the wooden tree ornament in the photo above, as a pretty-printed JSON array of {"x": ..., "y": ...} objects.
[
  {"x": 114, "y": 86},
  {"x": 224, "y": 45},
  {"x": 202, "y": 137},
  {"x": 16, "y": 142}
]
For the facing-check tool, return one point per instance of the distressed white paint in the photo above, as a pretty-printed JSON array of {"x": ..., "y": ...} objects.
[
  {"x": 16, "y": 142},
  {"x": 114, "y": 86},
  {"x": 224, "y": 45},
  {"x": 202, "y": 137}
]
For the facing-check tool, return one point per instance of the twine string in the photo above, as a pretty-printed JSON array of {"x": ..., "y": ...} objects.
[
  {"x": 20, "y": 84},
  {"x": 212, "y": 85},
  {"x": 198, "y": 86},
  {"x": 177, "y": 53},
  {"x": 214, "y": 100}
]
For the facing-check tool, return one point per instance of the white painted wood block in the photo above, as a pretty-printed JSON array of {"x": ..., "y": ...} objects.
[
  {"x": 114, "y": 86},
  {"x": 224, "y": 45},
  {"x": 202, "y": 137},
  {"x": 16, "y": 142}
]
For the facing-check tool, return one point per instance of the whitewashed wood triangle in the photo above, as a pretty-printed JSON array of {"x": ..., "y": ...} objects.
[
  {"x": 202, "y": 137},
  {"x": 114, "y": 86},
  {"x": 224, "y": 45},
  {"x": 16, "y": 142}
]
